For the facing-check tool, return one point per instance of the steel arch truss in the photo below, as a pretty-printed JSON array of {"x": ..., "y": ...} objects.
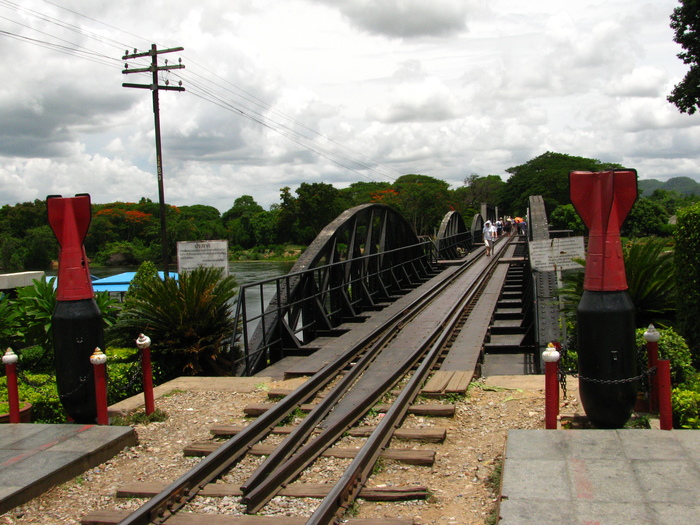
[
  {"x": 367, "y": 255},
  {"x": 453, "y": 239}
]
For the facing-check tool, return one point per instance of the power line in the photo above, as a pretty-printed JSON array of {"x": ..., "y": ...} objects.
[{"x": 224, "y": 93}]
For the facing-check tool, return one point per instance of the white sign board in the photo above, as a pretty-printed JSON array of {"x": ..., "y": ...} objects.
[
  {"x": 556, "y": 254},
  {"x": 193, "y": 254}
]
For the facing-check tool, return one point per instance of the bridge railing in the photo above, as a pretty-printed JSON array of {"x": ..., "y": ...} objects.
[{"x": 277, "y": 316}]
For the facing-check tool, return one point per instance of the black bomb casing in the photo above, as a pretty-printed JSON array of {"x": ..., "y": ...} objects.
[
  {"x": 77, "y": 321},
  {"x": 606, "y": 322}
]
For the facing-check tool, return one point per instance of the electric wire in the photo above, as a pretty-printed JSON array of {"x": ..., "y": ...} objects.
[{"x": 220, "y": 91}]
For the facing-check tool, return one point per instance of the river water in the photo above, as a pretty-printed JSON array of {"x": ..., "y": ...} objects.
[{"x": 245, "y": 272}]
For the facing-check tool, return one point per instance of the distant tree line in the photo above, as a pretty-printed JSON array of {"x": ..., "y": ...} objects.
[{"x": 125, "y": 234}]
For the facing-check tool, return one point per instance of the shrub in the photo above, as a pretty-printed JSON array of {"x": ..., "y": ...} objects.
[
  {"x": 124, "y": 374},
  {"x": 687, "y": 262},
  {"x": 35, "y": 305},
  {"x": 672, "y": 347},
  {"x": 188, "y": 321},
  {"x": 686, "y": 408},
  {"x": 40, "y": 391}
]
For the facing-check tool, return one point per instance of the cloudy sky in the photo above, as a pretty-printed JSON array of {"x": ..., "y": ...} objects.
[{"x": 336, "y": 91}]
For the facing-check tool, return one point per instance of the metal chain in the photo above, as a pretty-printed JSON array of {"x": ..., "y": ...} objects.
[
  {"x": 563, "y": 373},
  {"x": 83, "y": 380},
  {"x": 136, "y": 372},
  {"x": 618, "y": 381}
]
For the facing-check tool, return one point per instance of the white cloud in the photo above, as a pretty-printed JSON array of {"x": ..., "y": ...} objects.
[
  {"x": 407, "y": 18},
  {"x": 280, "y": 93},
  {"x": 645, "y": 81}
]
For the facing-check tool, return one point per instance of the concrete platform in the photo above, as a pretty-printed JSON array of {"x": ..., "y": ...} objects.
[
  {"x": 605, "y": 477},
  {"x": 35, "y": 457}
]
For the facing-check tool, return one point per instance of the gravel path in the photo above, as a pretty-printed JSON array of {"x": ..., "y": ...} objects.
[{"x": 461, "y": 490}]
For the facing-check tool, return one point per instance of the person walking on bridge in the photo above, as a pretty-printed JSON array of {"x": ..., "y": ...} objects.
[{"x": 488, "y": 237}]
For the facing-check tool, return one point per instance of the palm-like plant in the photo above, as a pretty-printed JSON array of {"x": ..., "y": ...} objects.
[
  {"x": 650, "y": 280},
  {"x": 187, "y": 320}
]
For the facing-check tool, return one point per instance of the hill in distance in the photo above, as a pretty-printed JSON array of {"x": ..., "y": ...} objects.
[{"x": 682, "y": 185}]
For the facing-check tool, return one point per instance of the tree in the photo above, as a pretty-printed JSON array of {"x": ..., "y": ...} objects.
[
  {"x": 42, "y": 248},
  {"x": 422, "y": 200},
  {"x": 546, "y": 175},
  {"x": 685, "y": 22},
  {"x": 646, "y": 218},
  {"x": 237, "y": 221},
  {"x": 482, "y": 189},
  {"x": 687, "y": 260},
  {"x": 362, "y": 192},
  {"x": 317, "y": 205},
  {"x": 564, "y": 217}
]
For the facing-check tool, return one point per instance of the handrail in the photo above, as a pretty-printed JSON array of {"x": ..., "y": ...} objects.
[{"x": 295, "y": 308}]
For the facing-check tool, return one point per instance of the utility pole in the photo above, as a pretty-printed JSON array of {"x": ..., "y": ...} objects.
[{"x": 155, "y": 88}]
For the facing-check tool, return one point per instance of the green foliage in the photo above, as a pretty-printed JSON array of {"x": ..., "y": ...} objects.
[
  {"x": 564, "y": 217},
  {"x": 422, "y": 200},
  {"x": 125, "y": 378},
  {"x": 640, "y": 421},
  {"x": 41, "y": 248},
  {"x": 685, "y": 22},
  {"x": 317, "y": 204},
  {"x": 546, "y": 175},
  {"x": 139, "y": 418},
  {"x": 646, "y": 218},
  {"x": 651, "y": 280},
  {"x": 109, "y": 308},
  {"x": 673, "y": 200},
  {"x": 671, "y": 347},
  {"x": 147, "y": 272},
  {"x": 8, "y": 316},
  {"x": 188, "y": 321},
  {"x": 40, "y": 391},
  {"x": 361, "y": 192},
  {"x": 30, "y": 320},
  {"x": 687, "y": 271},
  {"x": 35, "y": 305},
  {"x": 686, "y": 408},
  {"x": 476, "y": 190}
]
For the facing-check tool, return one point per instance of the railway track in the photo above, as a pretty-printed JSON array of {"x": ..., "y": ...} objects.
[{"x": 389, "y": 364}]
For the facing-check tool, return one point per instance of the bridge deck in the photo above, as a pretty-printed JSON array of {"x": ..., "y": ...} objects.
[{"x": 458, "y": 366}]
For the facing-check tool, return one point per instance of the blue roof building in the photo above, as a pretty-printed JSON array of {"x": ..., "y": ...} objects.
[{"x": 120, "y": 282}]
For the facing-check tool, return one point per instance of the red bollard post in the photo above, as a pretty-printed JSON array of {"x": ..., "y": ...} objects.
[
  {"x": 551, "y": 387},
  {"x": 10, "y": 362},
  {"x": 99, "y": 363},
  {"x": 665, "y": 408},
  {"x": 144, "y": 344},
  {"x": 652, "y": 336}
]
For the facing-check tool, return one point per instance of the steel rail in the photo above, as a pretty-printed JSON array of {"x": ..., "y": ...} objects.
[
  {"x": 267, "y": 488},
  {"x": 255, "y": 489},
  {"x": 348, "y": 487},
  {"x": 176, "y": 495}
]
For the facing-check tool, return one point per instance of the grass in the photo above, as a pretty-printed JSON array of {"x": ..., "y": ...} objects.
[
  {"x": 639, "y": 421},
  {"x": 139, "y": 418},
  {"x": 289, "y": 419},
  {"x": 493, "y": 483},
  {"x": 174, "y": 391},
  {"x": 353, "y": 509}
]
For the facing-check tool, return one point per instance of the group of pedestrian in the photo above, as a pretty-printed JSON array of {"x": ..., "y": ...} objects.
[{"x": 507, "y": 226}]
